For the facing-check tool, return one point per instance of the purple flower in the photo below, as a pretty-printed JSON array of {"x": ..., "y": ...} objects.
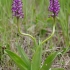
[
  {"x": 54, "y": 7},
  {"x": 17, "y": 8}
]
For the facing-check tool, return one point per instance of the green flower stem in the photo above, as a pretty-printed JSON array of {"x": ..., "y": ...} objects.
[
  {"x": 24, "y": 34},
  {"x": 50, "y": 35}
]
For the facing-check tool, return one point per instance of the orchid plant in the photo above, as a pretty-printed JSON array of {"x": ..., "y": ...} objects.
[{"x": 23, "y": 61}]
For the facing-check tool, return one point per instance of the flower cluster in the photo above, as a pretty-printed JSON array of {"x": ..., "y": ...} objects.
[
  {"x": 17, "y": 8},
  {"x": 54, "y": 7}
]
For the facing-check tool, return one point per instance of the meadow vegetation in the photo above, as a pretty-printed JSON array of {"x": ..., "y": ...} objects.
[{"x": 22, "y": 50}]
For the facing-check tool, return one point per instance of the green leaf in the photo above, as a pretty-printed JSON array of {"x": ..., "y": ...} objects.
[
  {"x": 49, "y": 60},
  {"x": 24, "y": 56},
  {"x": 36, "y": 60},
  {"x": 57, "y": 69},
  {"x": 20, "y": 63}
]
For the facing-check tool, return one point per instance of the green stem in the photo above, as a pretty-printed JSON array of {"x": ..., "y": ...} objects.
[
  {"x": 18, "y": 25},
  {"x": 50, "y": 35}
]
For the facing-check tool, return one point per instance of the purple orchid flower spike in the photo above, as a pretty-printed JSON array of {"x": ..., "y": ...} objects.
[
  {"x": 54, "y": 7},
  {"x": 17, "y": 9}
]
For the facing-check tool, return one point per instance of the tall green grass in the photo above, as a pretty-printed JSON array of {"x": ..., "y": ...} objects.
[{"x": 35, "y": 13}]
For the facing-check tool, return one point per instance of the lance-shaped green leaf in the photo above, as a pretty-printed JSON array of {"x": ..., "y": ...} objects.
[
  {"x": 17, "y": 60},
  {"x": 57, "y": 69},
  {"x": 49, "y": 60},
  {"x": 36, "y": 60},
  {"x": 24, "y": 56}
]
